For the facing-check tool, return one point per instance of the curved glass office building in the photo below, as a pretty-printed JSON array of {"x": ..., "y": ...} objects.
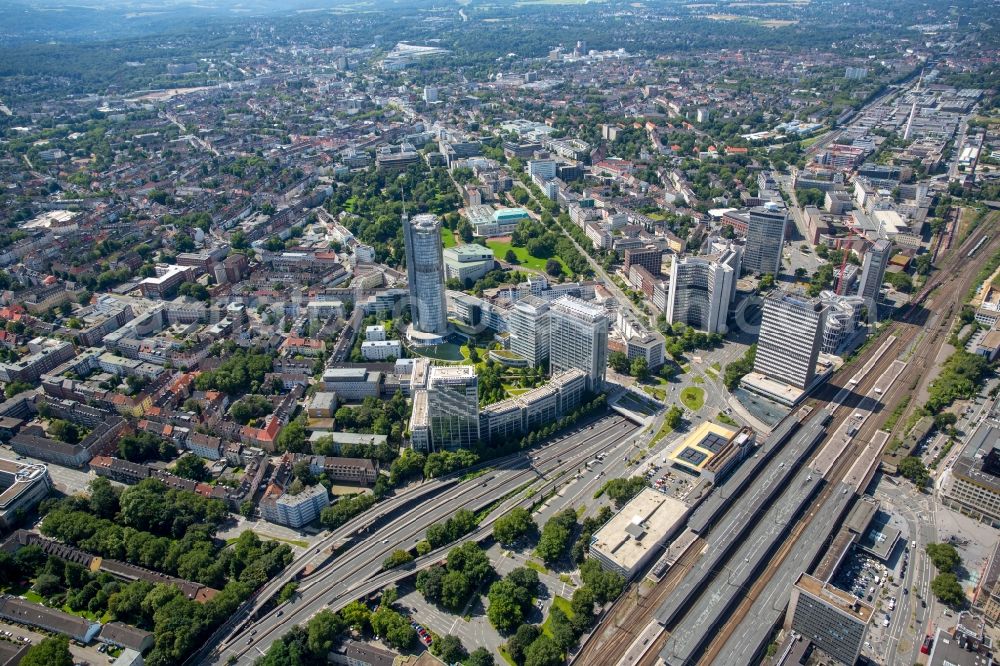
[{"x": 425, "y": 273}]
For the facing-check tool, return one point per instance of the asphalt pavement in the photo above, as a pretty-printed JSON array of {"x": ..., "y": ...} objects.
[{"x": 343, "y": 578}]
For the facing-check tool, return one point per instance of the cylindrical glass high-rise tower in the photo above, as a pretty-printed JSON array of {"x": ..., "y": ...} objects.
[{"x": 425, "y": 273}]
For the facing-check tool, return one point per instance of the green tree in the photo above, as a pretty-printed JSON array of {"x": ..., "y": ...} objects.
[
  {"x": 672, "y": 419},
  {"x": 556, "y": 536},
  {"x": 622, "y": 490},
  {"x": 49, "y": 652},
  {"x": 429, "y": 583},
  {"x": 455, "y": 590},
  {"x": 324, "y": 629},
  {"x": 517, "y": 645},
  {"x": 357, "y": 616},
  {"x": 563, "y": 632},
  {"x": 582, "y": 605},
  {"x": 913, "y": 469},
  {"x": 619, "y": 361},
  {"x": 639, "y": 369},
  {"x": 192, "y": 467},
  {"x": 543, "y": 652},
  {"x": 47, "y": 584},
  {"x": 605, "y": 585},
  {"x": 479, "y": 657},
  {"x": 944, "y": 556},
  {"x": 103, "y": 499},
  {"x": 513, "y": 525},
  {"x": 393, "y": 628},
  {"x": 15, "y": 387},
  {"x": 506, "y": 609},
  {"x": 287, "y": 592},
  {"x": 946, "y": 587},
  {"x": 450, "y": 649},
  {"x": 471, "y": 560},
  {"x": 397, "y": 558}
]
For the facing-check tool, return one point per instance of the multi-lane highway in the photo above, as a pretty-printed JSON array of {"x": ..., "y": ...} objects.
[{"x": 355, "y": 572}]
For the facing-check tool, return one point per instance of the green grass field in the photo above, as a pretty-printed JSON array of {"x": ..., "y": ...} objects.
[
  {"x": 537, "y": 566},
  {"x": 445, "y": 352},
  {"x": 693, "y": 398},
  {"x": 524, "y": 259},
  {"x": 661, "y": 433},
  {"x": 448, "y": 238},
  {"x": 722, "y": 417},
  {"x": 561, "y": 603}
]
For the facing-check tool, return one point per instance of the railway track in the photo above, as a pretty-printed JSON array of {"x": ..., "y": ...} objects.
[
  {"x": 548, "y": 465},
  {"x": 918, "y": 365},
  {"x": 911, "y": 338}
]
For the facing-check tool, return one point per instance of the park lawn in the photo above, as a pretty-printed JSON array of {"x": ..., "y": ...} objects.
[
  {"x": 482, "y": 351},
  {"x": 523, "y": 258},
  {"x": 444, "y": 352},
  {"x": 562, "y": 603},
  {"x": 540, "y": 568},
  {"x": 663, "y": 432},
  {"x": 448, "y": 237},
  {"x": 693, "y": 398},
  {"x": 722, "y": 417},
  {"x": 506, "y": 657},
  {"x": 655, "y": 393}
]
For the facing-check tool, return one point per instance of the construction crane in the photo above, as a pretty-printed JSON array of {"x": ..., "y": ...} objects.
[{"x": 843, "y": 265}]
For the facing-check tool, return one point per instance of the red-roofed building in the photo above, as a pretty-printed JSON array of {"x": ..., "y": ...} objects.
[
  {"x": 304, "y": 346},
  {"x": 263, "y": 437}
]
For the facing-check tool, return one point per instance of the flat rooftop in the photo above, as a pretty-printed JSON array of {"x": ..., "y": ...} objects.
[
  {"x": 578, "y": 308},
  {"x": 880, "y": 539},
  {"x": 695, "y": 451},
  {"x": 641, "y": 525},
  {"x": 452, "y": 372},
  {"x": 780, "y": 392},
  {"x": 836, "y": 597},
  {"x": 973, "y": 463},
  {"x": 346, "y": 374}
]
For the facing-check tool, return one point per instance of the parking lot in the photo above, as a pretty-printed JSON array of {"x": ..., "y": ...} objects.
[
  {"x": 667, "y": 480},
  {"x": 66, "y": 480},
  {"x": 863, "y": 576},
  {"x": 878, "y": 585},
  {"x": 83, "y": 655}
]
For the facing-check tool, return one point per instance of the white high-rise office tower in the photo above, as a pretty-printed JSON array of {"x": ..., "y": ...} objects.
[
  {"x": 791, "y": 335},
  {"x": 425, "y": 272},
  {"x": 453, "y": 406},
  {"x": 700, "y": 291},
  {"x": 765, "y": 238},
  {"x": 873, "y": 271},
  {"x": 578, "y": 338},
  {"x": 529, "y": 329},
  {"x": 840, "y": 321}
]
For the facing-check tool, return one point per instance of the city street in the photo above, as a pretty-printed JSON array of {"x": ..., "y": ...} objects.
[{"x": 66, "y": 480}]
